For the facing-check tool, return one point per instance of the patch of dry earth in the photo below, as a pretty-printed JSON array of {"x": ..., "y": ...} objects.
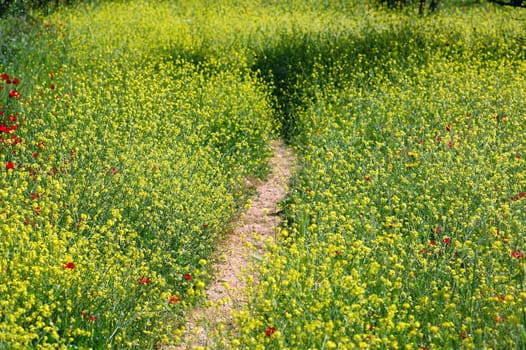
[{"x": 256, "y": 225}]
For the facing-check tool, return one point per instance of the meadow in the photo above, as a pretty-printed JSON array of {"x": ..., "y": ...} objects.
[{"x": 128, "y": 130}]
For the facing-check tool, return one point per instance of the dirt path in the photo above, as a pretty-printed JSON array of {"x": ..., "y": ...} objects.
[{"x": 256, "y": 225}]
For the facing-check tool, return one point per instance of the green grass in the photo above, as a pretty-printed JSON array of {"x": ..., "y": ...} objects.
[
  {"x": 129, "y": 168},
  {"x": 405, "y": 228},
  {"x": 134, "y": 125}
]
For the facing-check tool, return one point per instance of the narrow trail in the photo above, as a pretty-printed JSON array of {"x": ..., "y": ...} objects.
[{"x": 255, "y": 226}]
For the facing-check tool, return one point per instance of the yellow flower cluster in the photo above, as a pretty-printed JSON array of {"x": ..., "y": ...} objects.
[
  {"x": 406, "y": 225},
  {"x": 131, "y": 162},
  {"x": 128, "y": 129}
]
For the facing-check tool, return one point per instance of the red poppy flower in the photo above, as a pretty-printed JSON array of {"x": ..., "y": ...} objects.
[
  {"x": 52, "y": 86},
  {"x": 9, "y": 165},
  {"x": 188, "y": 277},
  {"x": 438, "y": 229},
  {"x": 451, "y": 144},
  {"x": 144, "y": 280},
  {"x": 14, "y": 93},
  {"x": 173, "y": 299},
  {"x": 517, "y": 254},
  {"x": 446, "y": 241},
  {"x": 432, "y": 243},
  {"x": 69, "y": 265},
  {"x": 15, "y": 140},
  {"x": 92, "y": 318},
  {"x": 4, "y": 76},
  {"x": 10, "y": 128},
  {"x": 15, "y": 81},
  {"x": 500, "y": 319},
  {"x": 521, "y": 194},
  {"x": 336, "y": 253},
  {"x": 269, "y": 331}
]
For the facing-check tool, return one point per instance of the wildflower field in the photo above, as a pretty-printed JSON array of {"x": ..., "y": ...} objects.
[{"x": 128, "y": 130}]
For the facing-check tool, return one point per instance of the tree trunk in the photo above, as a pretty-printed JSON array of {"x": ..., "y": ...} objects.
[{"x": 434, "y": 4}]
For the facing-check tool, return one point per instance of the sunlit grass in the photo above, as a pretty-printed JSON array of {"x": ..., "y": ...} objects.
[
  {"x": 406, "y": 226},
  {"x": 128, "y": 129},
  {"x": 118, "y": 175}
]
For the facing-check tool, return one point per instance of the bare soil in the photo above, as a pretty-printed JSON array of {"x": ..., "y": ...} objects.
[{"x": 254, "y": 227}]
